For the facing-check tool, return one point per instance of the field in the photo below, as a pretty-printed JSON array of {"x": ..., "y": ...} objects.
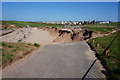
[
  {"x": 31, "y": 24},
  {"x": 107, "y": 50},
  {"x": 114, "y": 24},
  {"x": 101, "y": 29},
  {"x": 14, "y": 51}
]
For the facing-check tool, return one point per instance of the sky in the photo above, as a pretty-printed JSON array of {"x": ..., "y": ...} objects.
[
  {"x": 60, "y": 11},
  {"x": 60, "y": 0}
]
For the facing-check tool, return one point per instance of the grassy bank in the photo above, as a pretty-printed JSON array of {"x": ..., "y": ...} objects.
[
  {"x": 101, "y": 29},
  {"x": 114, "y": 24},
  {"x": 14, "y": 51},
  {"x": 107, "y": 49},
  {"x": 31, "y": 24}
]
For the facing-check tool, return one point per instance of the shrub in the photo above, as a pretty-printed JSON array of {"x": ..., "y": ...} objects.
[
  {"x": 3, "y": 44},
  {"x": 14, "y": 50},
  {"x": 36, "y": 45},
  {"x": 29, "y": 44},
  {"x": 10, "y": 46}
]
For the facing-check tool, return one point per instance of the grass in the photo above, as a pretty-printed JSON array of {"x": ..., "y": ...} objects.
[
  {"x": 107, "y": 49},
  {"x": 31, "y": 24},
  {"x": 14, "y": 51},
  {"x": 0, "y": 22},
  {"x": 113, "y": 24},
  {"x": 101, "y": 29}
]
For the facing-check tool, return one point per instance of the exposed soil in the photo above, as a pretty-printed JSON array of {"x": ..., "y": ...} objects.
[
  {"x": 65, "y": 35},
  {"x": 95, "y": 35},
  {"x": 44, "y": 35}
]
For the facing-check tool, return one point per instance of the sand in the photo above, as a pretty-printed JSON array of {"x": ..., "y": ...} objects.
[
  {"x": 29, "y": 35},
  {"x": 39, "y": 36}
]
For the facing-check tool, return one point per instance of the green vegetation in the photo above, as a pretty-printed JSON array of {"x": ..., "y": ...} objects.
[
  {"x": 114, "y": 24},
  {"x": 101, "y": 29},
  {"x": 14, "y": 51},
  {"x": 107, "y": 49},
  {"x": 36, "y": 45},
  {"x": 31, "y": 24},
  {"x": 0, "y": 22},
  {"x": 0, "y": 44}
]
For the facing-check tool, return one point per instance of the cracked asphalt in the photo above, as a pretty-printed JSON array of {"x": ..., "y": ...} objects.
[{"x": 65, "y": 60}]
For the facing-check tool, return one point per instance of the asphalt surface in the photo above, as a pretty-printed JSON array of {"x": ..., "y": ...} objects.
[{"x": 70, "y": 60}]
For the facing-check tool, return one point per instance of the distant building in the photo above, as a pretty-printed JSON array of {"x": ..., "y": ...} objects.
[
  {"x": 104, "y": 22},
  {"x": 75, "y": 22}
]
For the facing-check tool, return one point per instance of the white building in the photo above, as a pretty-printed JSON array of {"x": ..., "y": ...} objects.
[{"x": 104, "y": 22}]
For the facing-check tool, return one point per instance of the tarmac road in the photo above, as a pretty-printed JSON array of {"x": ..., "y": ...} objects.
[{"x": 69, "y": 60}]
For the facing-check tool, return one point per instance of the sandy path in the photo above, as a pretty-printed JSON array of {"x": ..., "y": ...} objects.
[
  {"x": 28, "y": 35},
  {"x": 39, "y": 36}
]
